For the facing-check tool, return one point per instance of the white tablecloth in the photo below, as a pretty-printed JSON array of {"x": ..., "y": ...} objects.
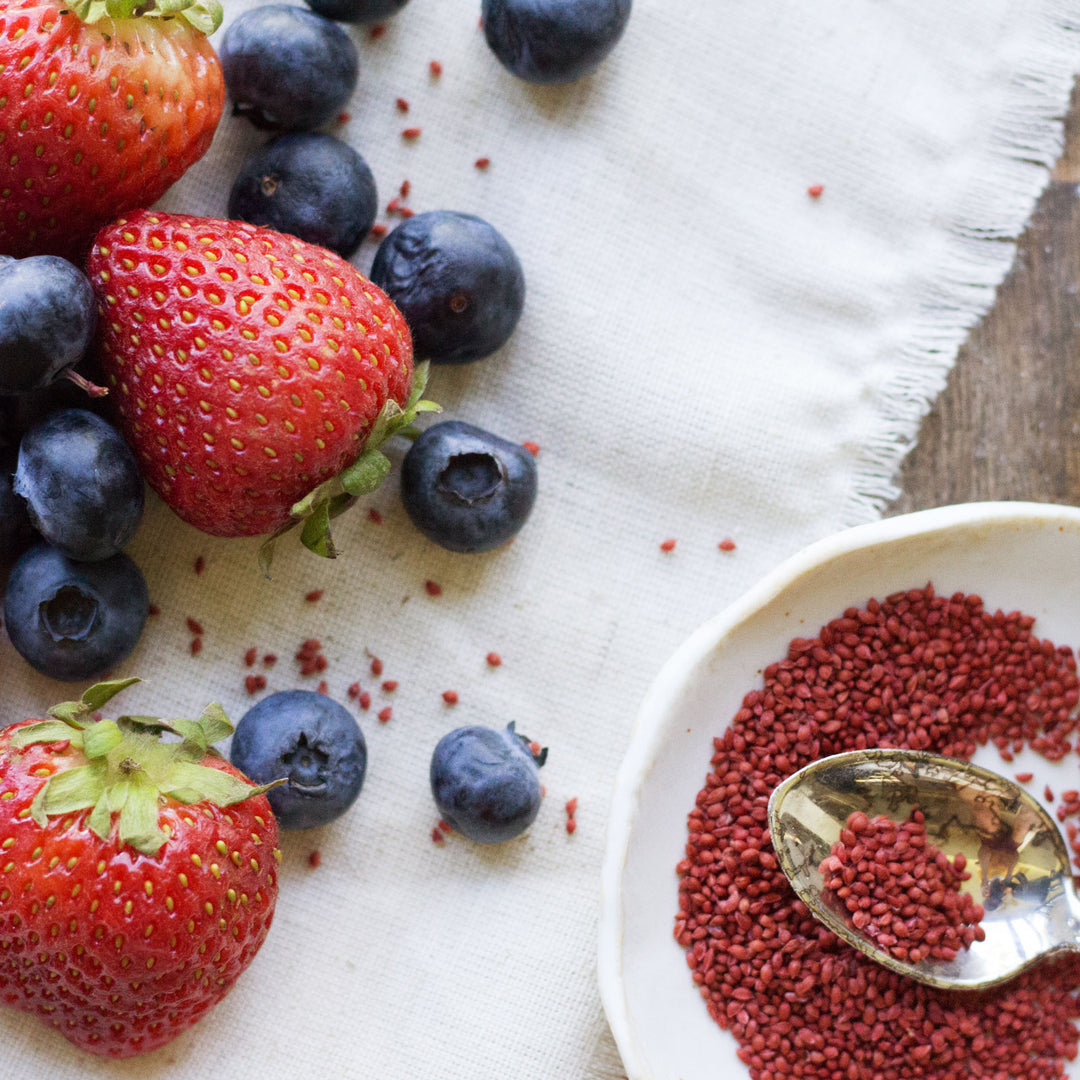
[{"x": 706, "y": 352}]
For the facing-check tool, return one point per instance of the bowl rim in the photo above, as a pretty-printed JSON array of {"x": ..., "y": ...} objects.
[{"x": 648, "y": 725}]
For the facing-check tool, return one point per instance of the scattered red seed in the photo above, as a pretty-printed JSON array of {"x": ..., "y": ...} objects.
[
  {"x": 310, "y": 657},
  {"x": 376, "y": 31},
  {"x": 437, "y": 836},
  {"x": 411, "y": 133},
  {"x": 815, "y": 191},
  {"x": 571, "y": 826},
  {"x": 405, "y": 188},
  {"x": 1048, "y": 793},
  {"x": 727, "y": 544},
  {"x": 435, "y": 68},
  {"x": 251, "y": 656},
  {"x": 153, "y": 609},
  {"x": 571, "y": 806},
  {"x": 493, "y": 659},
  {"x": 402, "y": 105},
  {"x": 915, "y": 670},
  {"x": 254, "y": 683},
  {"x": 450, "y": 697},
  {"x": 406, "y": 213},
  {"x": 196, "y": 646},
  {"x": 323, "y": 687},
  {"x": 376, "y": 666},
  {"x": 535, "y": 748},
  {"x": 374, "y": 515},
  {"x": 199, "y": 565},
  {"x": 390, "y": 685},
  {"x": 314, "y": 860},
  {"x": 445, "y": 826},
  {"x": 533, "y": 448},
  {"x": 394, "y": 205},
  {"x": 432, "y": 588},
  {"x": 1024, "y": 777},
  {"x": 365, "y": 700},
  {"x": 482, "y": 162},
  {"x": 667, "y": 545},
  {"x": 354, "y": 690},
  {"x": 269, "y": 660},
  {"x": 385, "y": 714},
  {"x": 378, "y": 231},
  {"x": 195, "y": 626},
  {"x": 314, "y": 596},
  {"x": 344, "y": 117}
]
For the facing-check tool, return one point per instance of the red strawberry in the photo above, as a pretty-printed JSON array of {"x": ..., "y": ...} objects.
[
  {"x": 100, "y": 116},
  {"x": 137, "y": 878},
  {"x": 248, "y": 369}
]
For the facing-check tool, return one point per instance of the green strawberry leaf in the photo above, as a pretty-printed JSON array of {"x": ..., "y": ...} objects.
[
  {"x": 203, "y": 15},
  {"x": 99, "y": 739},
  {"x": 196, "y": 783},
  {"x": 363, "y": 476},
  {"x": 45, "y": 731}
]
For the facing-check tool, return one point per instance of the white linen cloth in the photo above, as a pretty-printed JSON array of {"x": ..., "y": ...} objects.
[{"x": 706, "y": 352}]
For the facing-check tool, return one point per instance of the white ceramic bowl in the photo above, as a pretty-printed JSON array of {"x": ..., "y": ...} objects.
[{"x": 1022, "y": 556}]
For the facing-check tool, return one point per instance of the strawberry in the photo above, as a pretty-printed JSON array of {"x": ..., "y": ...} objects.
[
  {"x": 98, "y": 113},
  {"x": 250, "y": 370},
  {"x": 137, "y": 877}
]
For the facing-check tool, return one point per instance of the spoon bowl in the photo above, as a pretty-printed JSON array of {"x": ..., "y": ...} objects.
[{"x": 1018, "y": 861}]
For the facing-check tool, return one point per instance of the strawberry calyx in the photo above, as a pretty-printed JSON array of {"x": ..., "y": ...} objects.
[
  {"x": 319, "y": 506},
  {"x": 129, "y": 769},
  {"x": 203, "y": 15}
]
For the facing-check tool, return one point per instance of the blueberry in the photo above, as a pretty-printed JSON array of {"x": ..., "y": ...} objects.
[
  {"x": 466, "y": 489},
  {"x": 47, "y": 317},
  {"x": 286, "y": 68},
  {"x": 486, "y": 782},
  {"x": 309, "y": 185},
  {"x": 16, "y": 532},
  {"x": 457, "y": 282},
  {"x": 314, "y": 742},
  {"x": 81, "y": 484},
  {"x": 356, "y": 11},
  {"x": 73, "y": 620},
  {"x": 553, "y": 41}
]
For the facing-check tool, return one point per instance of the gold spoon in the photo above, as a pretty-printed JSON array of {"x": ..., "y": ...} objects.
[{"x": 1019, "y": 863}]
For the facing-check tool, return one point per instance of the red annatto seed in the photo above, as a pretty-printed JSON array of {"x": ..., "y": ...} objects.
[
  {"x": 376, "y": 31},
  {"x": 667, "y": 545},
  {"x": 344, "y": 117},
  {"x": 195, "y": 646},
  {"x": 153, "y": 609},
  {"x": 251, "y": 656},
  {"x": 323, "y": 687},
  {"x": 445, "y": 826},
  {"x": 435, "y": 68},
  {"x": 385, "y": 714},
  {"x": 402, "y": 104},
  {"x": 199, "y": 565},
  {"x": 269, "y": 660},
  {"x": 406, "y": 213},
  {"x": 194, "y": 626},
  {"x": 571, "y": 825},
  {"x": 405, "y": 188},
  {"x": 535, "y": 748},
  {"x": 727, "y": 544},
  {"x": 394, "y": 205},
  {"x": 482, "y": 163},
  {"x": 254, "y": 683},
  {"x": 432, "y": 588},
  {"x": 815, "y": 191},
  {"x": 493, "y": 659},
  {"x": 354, "y": 690},
  {"x": 571, "y": 806},
  {"x": 320, "y": 662},
  {"x": 916, "y": 670},
  {"x": 1048, "y": 793},
  {"x": 376, "y": 666},
  {"x": 314, "y": 860},
  {"x": 1024, "y": 777},
  {"x": 450, "y": 697},
  {"x": 533, "y": 448},
  {"x": 374, "y": 515},
  {"x": 314, "y": 596},
  {"x": 377, "y": 231},
  {"x": 365, "y": 700},
  {"x": 411, "y": 133},
  {"x": 437, "y": 836},
  {"x": 389, "y": 685}
]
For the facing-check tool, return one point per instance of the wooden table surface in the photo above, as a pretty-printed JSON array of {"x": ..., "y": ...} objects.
[{"x": 1007, "y": 425}]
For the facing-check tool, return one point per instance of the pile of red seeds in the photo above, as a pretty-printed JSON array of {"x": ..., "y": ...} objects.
[
  {"x": 916, "y": 670},
  {"x": 901, "y": 892}
]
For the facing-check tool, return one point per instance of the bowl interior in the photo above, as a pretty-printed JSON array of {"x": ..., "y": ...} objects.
[{"x": 1016, "y": 556}]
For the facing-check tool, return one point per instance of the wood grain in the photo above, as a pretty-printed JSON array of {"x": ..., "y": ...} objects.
[{"x": 1007, "y": 425}]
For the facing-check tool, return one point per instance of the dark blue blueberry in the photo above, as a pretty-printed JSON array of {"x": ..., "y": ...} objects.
[
  {"x": 466, "y": 489},
  {"x": 314, "y": 742},
  {"x": 309, "y": 185},
  {"x": 47, "y": 317},
  {"x": 81, "y": 484},
  {"x": 486, "y": 782},
  {"x": 457, "y": 282},
  {"x": 553, "y": 41},
  {"x": 16, "y": 532},
  {"x": 356, "y": 11},
  {"x": 288, "y": 69},
  {"x": 72, "y": 620}
]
